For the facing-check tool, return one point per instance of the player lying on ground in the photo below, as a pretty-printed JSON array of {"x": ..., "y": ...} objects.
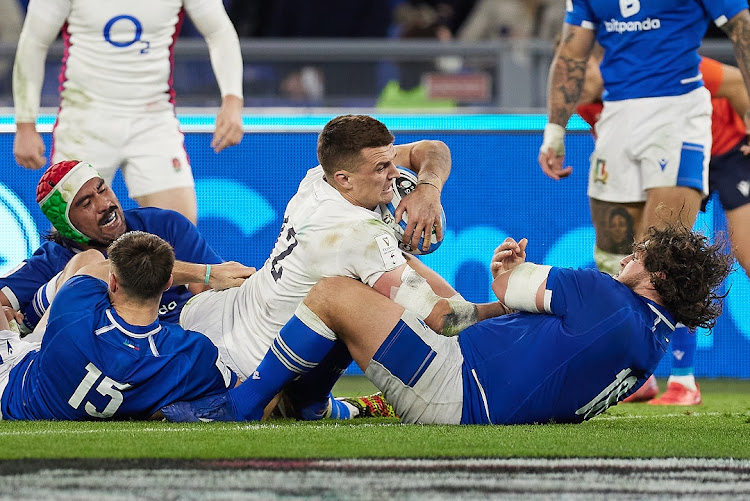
[
  {"x": 728, "y": 176},
  {"x": 332, "y": 227},
  {"x": 87, "y": 217},
  {"x": 580, "y": 341},
  {"x": 105, "y": 354}
]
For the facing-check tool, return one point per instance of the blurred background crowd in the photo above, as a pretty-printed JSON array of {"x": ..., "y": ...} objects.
[{"x": 492, "y": 55}]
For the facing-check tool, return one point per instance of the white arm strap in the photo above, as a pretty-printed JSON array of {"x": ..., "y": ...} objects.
[
  {"x": 415, "y": 294},
  {"x": 523, "y": 284}
]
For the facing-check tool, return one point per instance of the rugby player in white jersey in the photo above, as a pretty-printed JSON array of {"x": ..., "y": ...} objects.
[
  {"x": 116, "y": 96},
  {"x": 332, "y": 227}
]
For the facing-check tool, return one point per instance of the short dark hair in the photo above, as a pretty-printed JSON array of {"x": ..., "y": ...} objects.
[
  {"x": 142, "y": 263},
  {"x": 687, "y": 271},
  {"x": 342, "y": 140}
]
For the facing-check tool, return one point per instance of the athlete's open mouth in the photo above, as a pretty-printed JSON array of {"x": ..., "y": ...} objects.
[{"x": 109, "y": 219}]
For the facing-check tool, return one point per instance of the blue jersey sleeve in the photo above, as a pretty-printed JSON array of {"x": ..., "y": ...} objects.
[
  {"x": 21, "y": 283},
  {"x": 579, "y": 13},
  {"x": 722, "y": 11},
  {"x": 188, "y": 243},
  {"x": 585, "y": 297}
]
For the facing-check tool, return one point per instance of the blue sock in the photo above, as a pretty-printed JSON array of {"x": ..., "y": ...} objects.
[
  {"x": 317, "y": 410},
  {"x": 296, "y": 350},
  {"x": 683, "y": 346},
  {"x": 339, "y": 410},
  {"x": 314, "y": 388}
]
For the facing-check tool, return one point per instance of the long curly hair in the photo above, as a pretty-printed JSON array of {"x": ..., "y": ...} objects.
[{"x": 686, "y": 270}]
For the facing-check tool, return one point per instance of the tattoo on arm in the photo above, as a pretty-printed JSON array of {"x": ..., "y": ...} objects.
[
  {"x": 565, "y": 88},
  {"x": 738, "y": 31}
]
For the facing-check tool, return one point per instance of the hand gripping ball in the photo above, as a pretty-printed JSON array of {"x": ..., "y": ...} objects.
[{"x": 404, "y": 184}]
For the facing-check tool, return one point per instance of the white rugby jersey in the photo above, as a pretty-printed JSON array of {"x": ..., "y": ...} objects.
[
  {"x": 118, "y": 53},
  {"x": 323, "y": 235}
]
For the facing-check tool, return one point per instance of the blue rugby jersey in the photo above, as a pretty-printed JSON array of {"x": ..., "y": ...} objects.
[
  {"x": 94, "y": 365},
  {"x": 600, "y": 343},
  {"x": 650, "y": 48},
  {"x": 24, "y": 285}
]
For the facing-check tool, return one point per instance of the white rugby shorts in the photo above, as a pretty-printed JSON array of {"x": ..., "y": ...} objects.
[
  {"x": 149, "y": 148},
  {"x": 426, "y": 385},
  {"x": 12, "y": 351},
  {"x": 205, "y": 313},
  {"x": 650, "y": 143}
]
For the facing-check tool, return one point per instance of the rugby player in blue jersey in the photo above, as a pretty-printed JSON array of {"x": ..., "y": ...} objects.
[
  {"x": 579, "y": 341},
  {"x": 653, "y": 139},
  {"x": 87, "y": 217},
  {"x": 105, "y": 354}
]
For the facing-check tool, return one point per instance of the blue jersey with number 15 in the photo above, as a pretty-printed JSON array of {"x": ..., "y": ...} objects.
[
  {"x": 94, "y": 365},
  {"x": 650, "y": 47}
]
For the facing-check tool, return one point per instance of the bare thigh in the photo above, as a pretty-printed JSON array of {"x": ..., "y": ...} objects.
[
  {"x": 739, "y": 234},
  {"x": 181, "y": 200},
  {"x": 361, "y": 317},
  {"x": 670, "y": 204}
]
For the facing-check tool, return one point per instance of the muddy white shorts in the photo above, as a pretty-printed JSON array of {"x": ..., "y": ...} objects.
[
  {"x": 650, "y": 143},
  {"x": 419, "y": 372},
  {"x": 149, "y": 148},
  {"x": 12, "y": 350}
]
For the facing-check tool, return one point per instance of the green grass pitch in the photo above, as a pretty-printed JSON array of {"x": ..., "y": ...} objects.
[{"x": 720, "y": 428}]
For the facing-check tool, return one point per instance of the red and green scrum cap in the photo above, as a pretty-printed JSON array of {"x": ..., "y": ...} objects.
[{"x": 56, "y": 190}]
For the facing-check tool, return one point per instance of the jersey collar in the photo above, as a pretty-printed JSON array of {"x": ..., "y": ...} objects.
[{"x": 136, "y": 331}]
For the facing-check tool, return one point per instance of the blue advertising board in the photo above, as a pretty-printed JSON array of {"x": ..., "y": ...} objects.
[{"x": 496, "y": 189}]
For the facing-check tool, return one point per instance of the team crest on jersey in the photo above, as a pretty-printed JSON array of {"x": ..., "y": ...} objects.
[
  {"x": 131, "y": 345},
  {"x": 176, "y": 164},
  {"x": 744, "y": 188},
  {"x": 600, "y": 171}
]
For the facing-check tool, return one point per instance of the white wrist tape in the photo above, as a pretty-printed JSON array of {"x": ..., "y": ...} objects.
[
  {"x": 464, "y": 314},
  {"x": 415, "y": 294},
  {"x": 554, "y": 137},
  {"x": 523, "y": 284}
]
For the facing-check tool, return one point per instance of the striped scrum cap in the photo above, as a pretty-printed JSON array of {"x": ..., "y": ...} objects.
[{"x": 56, "y": 190}]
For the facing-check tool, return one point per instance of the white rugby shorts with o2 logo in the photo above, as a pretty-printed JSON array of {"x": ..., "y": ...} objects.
[{"x": 650, "y": 143}]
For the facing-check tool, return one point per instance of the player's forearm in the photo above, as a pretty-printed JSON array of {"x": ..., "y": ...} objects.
[
  {"x": 451, "y": 316},
  {"x": 28, "y": 76},
  {"x": 434, "y": 160},
  {"x": 223, "y": 48},
  {"x": 189, "y": 273},
  {"x": 431, "y": 160},
  {"x": 37, "y": 34},
  {"x": 437, "y": 283},
  {"x": 738, "y": 31},
  {"x": 566, "y": 79},
  {"x": 567, "y": 73},
  {"x": 492, "y": 310}
]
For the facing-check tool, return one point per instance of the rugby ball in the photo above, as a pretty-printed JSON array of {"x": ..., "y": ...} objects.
[{"x": 404, "y": 184}]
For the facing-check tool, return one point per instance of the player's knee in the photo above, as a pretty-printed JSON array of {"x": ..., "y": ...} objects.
[{"x": 323, "y": 295}]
